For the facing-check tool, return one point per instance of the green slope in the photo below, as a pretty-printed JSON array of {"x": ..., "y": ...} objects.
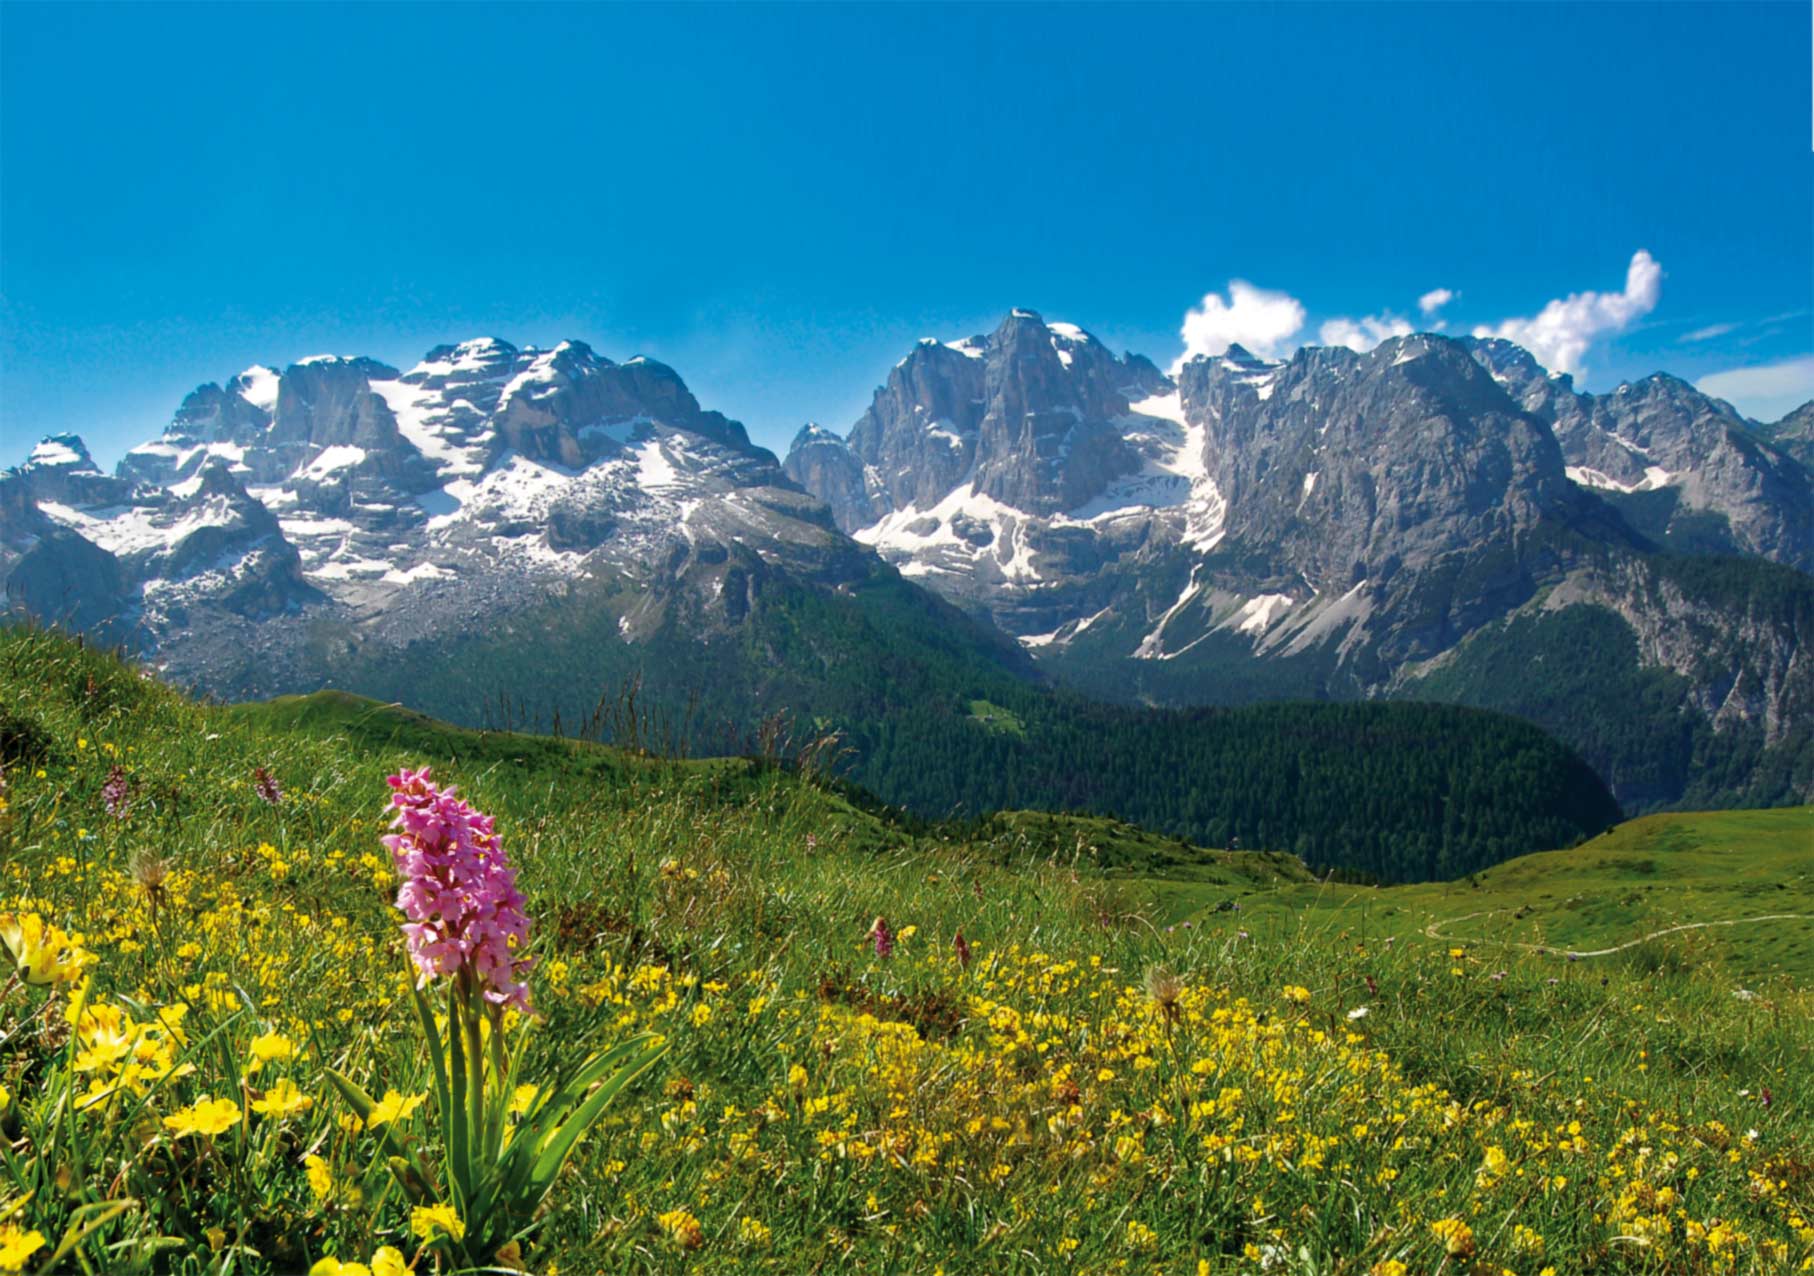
[
  {"x": 726, "y": 904},
  {"x": 1393, "y": 790},
  {"x": 1729, "y": 890}
]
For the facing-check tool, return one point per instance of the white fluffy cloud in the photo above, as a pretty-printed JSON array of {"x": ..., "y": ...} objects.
[
  {"x": 1361, "y": 335},
  {"x": 1560, "y": 334},
  {"x": 1263, "y": 321},
  {"x": 1765, "y": 393},
  {"x": 1434, "y": 300}
]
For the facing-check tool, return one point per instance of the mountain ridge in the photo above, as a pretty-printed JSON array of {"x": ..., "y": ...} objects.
[
  {"x": 1337, "y": 525},
  {"x": 1328, "y": 524}
]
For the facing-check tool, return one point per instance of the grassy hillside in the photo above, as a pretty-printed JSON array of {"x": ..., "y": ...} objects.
[
  {"x": 936, "y": 716},
  {"x": 1725, "y": 894},
  {"x": 1098, "y": 1087}
]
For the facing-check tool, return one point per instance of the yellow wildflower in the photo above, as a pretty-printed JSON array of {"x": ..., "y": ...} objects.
[
  {"x": 683, "y": 1227},
  {"x": 334, "y": 1267},
  {"x": 43, "y": 953},
  {"x": 17, "y": 1246},
  {"x": 1493, "y": 1167},
  {"x": 394, "y": 1107},
  {"x": 271, "y": 1048},
  {"x": 1456, "y": 1237},
  {"x": 321, "y": 1178},
  {"x": 388, "y": 1261},
  {"x": 426, "y": 1221},
  {"x": 282, "y": 1100},
  {"x": 205, "y": 1116}
]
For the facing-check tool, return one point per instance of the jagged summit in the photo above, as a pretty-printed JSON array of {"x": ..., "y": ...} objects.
[
  {"x": 1347, "y": 515},
  {"x": 64, "y": 452},
  {"x": 351, "y": 492},
  {"x": 1332, "y": 524},
  {"x": 813, "y": 432}
]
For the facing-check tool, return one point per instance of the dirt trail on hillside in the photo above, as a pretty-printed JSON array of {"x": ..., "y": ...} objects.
[{"x": 1433, "y": 931}]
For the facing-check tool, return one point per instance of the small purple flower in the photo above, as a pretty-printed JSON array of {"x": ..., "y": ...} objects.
[
  {"x": 962, "y": 949},
  {"x": 459, "y": 892},
  {"x": 116, "y": 793},
  {"x": 883, "y": 937},
  {"x": 265, "y": 785},
  {"x": 812, "y": 842}
]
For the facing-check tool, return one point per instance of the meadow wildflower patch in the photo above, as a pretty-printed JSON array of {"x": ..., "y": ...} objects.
[{"x": 244, "y": 1061}]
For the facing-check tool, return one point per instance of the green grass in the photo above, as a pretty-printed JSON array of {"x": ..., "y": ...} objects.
[
  {"x": 1151, "y": 1062},
  {"x": 1710, "y": 874},
  {"x": 994, "y": 717}
]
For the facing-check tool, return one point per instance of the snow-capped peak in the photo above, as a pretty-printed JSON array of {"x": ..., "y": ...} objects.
[
  {"x": 257, "y": 385},
  {"x": 61, "y": 452},
  {"x": 813, "y": 432}
]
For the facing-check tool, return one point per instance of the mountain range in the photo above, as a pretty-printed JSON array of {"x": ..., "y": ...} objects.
[{"x": 1019, "y": 519}]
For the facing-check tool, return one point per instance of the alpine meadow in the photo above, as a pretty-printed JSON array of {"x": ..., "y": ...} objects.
[{"x": 946, "y": 639}]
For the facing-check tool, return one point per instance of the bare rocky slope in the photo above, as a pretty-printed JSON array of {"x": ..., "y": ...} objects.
[
  {"x": 500, "y": 531},
  {"x": 1348, "y": 525}
]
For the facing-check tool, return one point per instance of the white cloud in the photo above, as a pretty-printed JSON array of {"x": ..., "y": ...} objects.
[
  {"x": 1560, "y": 334},
  {"x": 1361, "y": 335},
  {"x": 1435, "y": 300},
  {"x": 1708, "y": 333},
  {"x": 1262, "y": 320},
  {"x": 1766, "y": 393}
]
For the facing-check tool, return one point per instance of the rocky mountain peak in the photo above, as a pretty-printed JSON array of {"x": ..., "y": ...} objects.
[
  {"x": 812, "y": 433},
  {"x": 824, "y": 464},
  {"x": 1023, "y": 417},
  {"x": 400, "y": 502},
  {"x": 1794, "y": 434},
  {"x": 63, "y": 452},
  {"x": 59, "y": 468}
]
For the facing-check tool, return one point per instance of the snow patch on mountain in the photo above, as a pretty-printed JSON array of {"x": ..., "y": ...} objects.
[
  {"x": 1655, "y": 476},
  {"x": 258, "y": 386},
  {"x": 54, "y": 452},
  {"x": 1257, "y": 614}
]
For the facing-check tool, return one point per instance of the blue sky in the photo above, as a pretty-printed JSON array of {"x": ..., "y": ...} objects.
[{"x": 778, "y": 201}]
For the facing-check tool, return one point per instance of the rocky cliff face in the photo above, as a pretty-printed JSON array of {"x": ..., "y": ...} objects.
[
  {"x": 1027, "y": 417},
  {"x": 1794, "y": 434},
  {"x": 352, "y": 503},
  {"x": 825, "y": 465},
  {"x": 1328, "y": 525},
  {"x": 1334, "y": 525},
  {"x": 1662, "y": 435}
]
